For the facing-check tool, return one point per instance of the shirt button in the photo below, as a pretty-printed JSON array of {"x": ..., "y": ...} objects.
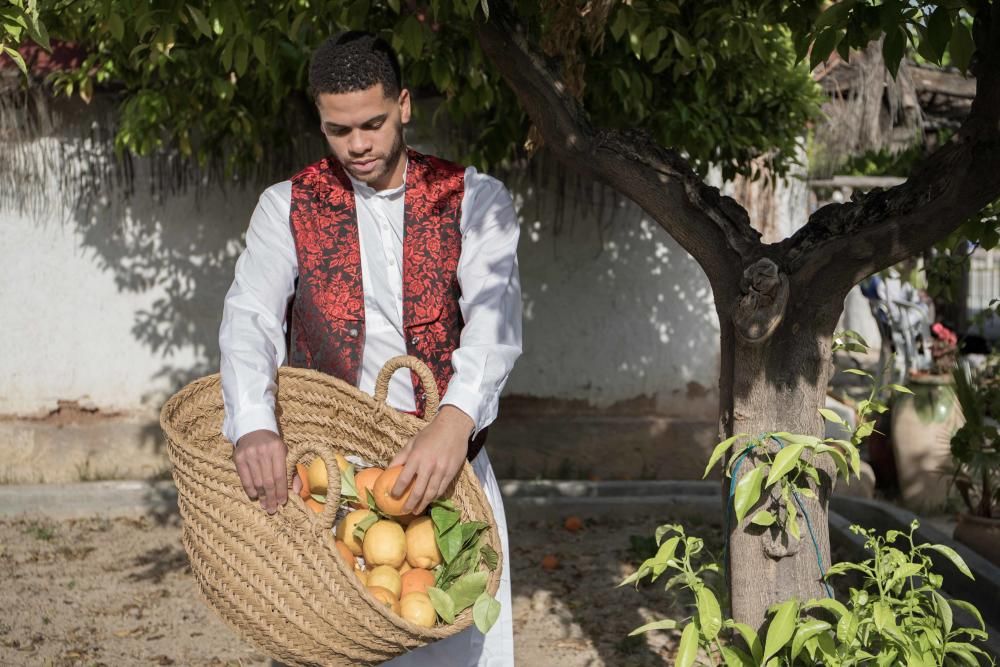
[{"x": 392, "y": 262}]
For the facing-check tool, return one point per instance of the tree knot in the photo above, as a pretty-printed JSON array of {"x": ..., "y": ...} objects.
[{"x": 762, "y": 306}]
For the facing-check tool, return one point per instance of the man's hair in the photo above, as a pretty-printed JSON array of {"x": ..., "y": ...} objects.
[{"x": 353, "y": 61}]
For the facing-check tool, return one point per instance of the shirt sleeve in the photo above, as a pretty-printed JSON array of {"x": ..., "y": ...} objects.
[
  {"x": 252, "y": 335},
  {"x": 491, "y": 300}
]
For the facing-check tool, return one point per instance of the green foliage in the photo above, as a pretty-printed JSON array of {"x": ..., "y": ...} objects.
[
  {"x": 218, "y": 80},
  {"x": 19, "y": 21},
  {"x": 975, "y": 447},
  {"x": 933, "y": 30},
  {"x": 895, "y": 615}
]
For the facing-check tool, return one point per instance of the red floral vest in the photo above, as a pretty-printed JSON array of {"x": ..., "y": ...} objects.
[{"x": 328, "y": 311}]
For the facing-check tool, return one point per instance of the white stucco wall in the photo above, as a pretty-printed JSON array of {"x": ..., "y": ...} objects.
[{"x": 118, "y": 308}]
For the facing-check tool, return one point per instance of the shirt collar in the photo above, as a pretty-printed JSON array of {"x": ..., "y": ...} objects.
[{"x": 367, "y": 191}]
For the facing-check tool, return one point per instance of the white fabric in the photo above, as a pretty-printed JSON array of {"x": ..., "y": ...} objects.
[
  {"x": 251, "y": 337},
  {"x": 470, "y": 648}
]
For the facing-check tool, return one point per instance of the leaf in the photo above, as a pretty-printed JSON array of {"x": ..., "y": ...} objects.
[
  {"x": 116, "y": 26},
  {"x": 857, "y": 371},
  {"x": 847, "y": 628},
  {"x": 364, "y": 525},
  {"x": 825, "y": 42},
  {"x": 720, "y": 451},
  {"x": 18, "y": 60},
  {"x": 892, "y": 53},
  {"x": 781, "y": 628},
  {"x": 747, "y": 492},
  {"x": 904, "y": 571},
  {"x": 709, "y": 613},
  {"x": 830, "y": 415},
  {"x": 485, "y": 612},
  {"x": 467, "y": 589},
  {"x": 490, "y": 557},
  {"x": 749, "y": 637},
  {"x": 687, "y": 651},
  {"x": 413, "y": 36},
  {"x": 831, "y": 605},
  {"x": 449, "y": 544},
  {"x": 784, "y": 462},
  {"x": 791, "y": 520},
  {"x": 939, "y": 32},
  {"x": 883, "y": 617},
  {"x": 200, "y": 21},
  {"x": 736, "y": 658},
  {"x": 663, "y": 624},
  {"x": 806, "y": 630},
  {"x": 241, "y": 57},
  {"x": 835, "y": 14},
  {"x": 318, "y": 497},
  {"x": 259, "y": 50},
  {"x": 962, "y": 46},
  {"x": 763, "y": 518},
  {"x": 442, "y": 604},
  {"x": 953, "y": 556},
  {"x": 619, "y": 25},
  {"x": 444, "y": 519},
  {"x": 901, "y": 389},
  {"x": 970, "y": 609},
  {"x": 943, "y": 610}
]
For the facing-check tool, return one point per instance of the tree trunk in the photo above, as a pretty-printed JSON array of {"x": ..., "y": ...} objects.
[{"x": 778, "y": 385}]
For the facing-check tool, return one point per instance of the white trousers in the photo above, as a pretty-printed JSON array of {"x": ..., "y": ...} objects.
[{"x": 470, "y": 648}]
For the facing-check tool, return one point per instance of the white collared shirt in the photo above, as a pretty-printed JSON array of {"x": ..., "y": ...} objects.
[{"x": 252, "y": 336}]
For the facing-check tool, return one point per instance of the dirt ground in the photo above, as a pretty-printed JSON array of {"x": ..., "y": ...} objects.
[{"x": 119, "y": 592}]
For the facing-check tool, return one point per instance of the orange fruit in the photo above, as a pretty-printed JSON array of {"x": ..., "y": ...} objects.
[
  {"x": 364, "y": 480},
  {"x": 318, "y": 479},
  {"x": 385, "y": 597},
  {"x": 404, "y": 568},
  {"x": 573, "y": 524},
  {"x": 550, "y": 563},
  {"x": 417, "y": 608},
  {"x": 386, "y": 577},
  {"x": 304, "y": 478},
  {"x": 384, "y": 544},
  {"x": 383, "y": 492},
  {"x": 346, "y": 553},
  {"x": 421, "y": 547},
  {"x": 345, "y": 530},
  {"x": 341, "y": 462},
  {"x": 314, "y": 505},
  {"x": 416, "y": 580}
]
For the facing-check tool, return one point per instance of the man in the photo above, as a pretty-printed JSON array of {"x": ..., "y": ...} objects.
[{"x": 386, "y": 252}]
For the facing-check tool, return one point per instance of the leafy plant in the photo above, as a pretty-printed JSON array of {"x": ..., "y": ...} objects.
[
  {"x": 975, "y": 457},
  {"x": 895, "y": 616}
]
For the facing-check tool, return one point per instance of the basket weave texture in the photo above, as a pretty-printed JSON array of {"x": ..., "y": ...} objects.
[{"x": 278, "y": 579}]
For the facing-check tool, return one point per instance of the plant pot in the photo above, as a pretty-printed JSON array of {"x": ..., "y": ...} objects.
[
  {"x": 980, "y": 534},
  {"x": 922, "y": 426}
]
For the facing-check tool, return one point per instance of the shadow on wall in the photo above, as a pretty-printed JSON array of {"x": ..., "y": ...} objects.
[{"x": 614, "y": 310}]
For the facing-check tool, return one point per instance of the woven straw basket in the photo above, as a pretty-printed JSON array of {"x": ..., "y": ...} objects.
[{"x": 278, "y": 579}]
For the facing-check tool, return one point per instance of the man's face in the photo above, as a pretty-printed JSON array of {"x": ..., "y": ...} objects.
[{"x": 365, "y": 131}]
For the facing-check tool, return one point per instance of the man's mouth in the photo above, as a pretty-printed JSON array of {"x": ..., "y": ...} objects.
[{"x": 364, "y": 166}]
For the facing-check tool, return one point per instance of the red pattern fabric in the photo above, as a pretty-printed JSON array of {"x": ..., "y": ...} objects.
[{"x": 328, "y": 312}]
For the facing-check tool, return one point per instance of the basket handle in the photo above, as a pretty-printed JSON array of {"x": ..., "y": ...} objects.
[
  {"x": 426, "y": 379},
  {"x": 295, "y": 454}
]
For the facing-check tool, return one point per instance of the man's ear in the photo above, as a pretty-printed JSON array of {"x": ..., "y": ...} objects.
[{"x": 404, "y": 106}]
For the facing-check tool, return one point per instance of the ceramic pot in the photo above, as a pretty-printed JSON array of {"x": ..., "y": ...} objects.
[
  {"x": 922, "y": 426},
  {"x": 980, "y": 534}
]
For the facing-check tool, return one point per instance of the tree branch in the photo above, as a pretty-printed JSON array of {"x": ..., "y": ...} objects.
[
  {"x": 657, "y": 179},
  {"x": 843, "y": 243}
]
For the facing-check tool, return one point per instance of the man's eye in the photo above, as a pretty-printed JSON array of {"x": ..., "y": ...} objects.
[{"x": 374, "y": 126}]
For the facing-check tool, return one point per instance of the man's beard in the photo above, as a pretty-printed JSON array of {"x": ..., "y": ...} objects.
[{"x": 388, "y": 163}]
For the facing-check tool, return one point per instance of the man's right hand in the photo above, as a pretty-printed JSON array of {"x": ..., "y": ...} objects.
[{"x": 260, "y": 462}]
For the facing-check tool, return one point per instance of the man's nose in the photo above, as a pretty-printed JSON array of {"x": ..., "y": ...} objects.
[{"x": 359, "y": 143}]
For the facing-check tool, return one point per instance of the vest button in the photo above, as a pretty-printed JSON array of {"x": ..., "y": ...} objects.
[
  {"x": 414, "y": 340},
  {"x": 353, "y": 332}
]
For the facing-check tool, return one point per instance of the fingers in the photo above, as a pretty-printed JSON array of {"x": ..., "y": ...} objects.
[
  {"x": 296, "y": 485},
  {"x": 269, "y": 501},
  {"x": 280, "y": 472},
  {"x": 246, "y": 477},
  {"x": 421, "y": 483},
  {"x": 257, "y": 478}
]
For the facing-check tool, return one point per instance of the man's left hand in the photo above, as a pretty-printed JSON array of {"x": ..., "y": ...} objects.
[{"x": 432, "y": 458}]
